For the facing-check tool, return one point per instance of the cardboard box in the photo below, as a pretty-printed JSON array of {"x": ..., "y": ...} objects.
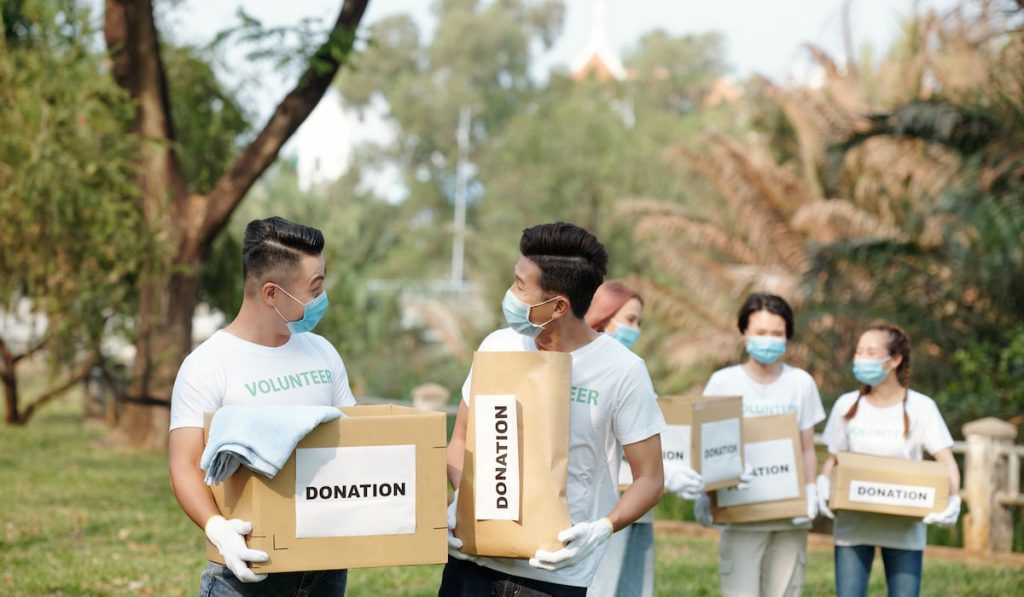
[
  {"x": 392, "y": 454},
  {"x": 512, "y": 498},
  {"x": 705, "y": 434},
  {"x": 888, "y": 485},
  {"x": 772, "y": 447}
]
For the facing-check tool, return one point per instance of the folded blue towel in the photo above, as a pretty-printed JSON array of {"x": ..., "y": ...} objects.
[{"x": 260, "y": 437}]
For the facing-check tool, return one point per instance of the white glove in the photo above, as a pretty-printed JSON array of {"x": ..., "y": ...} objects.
[
  {"x": 746, "y": 477},
  {"x": 454, "y": 543},
  {"x": 685, "y": 482},
  {"x": 228, "y": 536},
  {"x": 702, "y": 511},
  {"x": 947, "y": 517},
  {"x": 583, "y": 539},
  {"x": 812, "y": 504},
  {"x": 824, "y": 491}
]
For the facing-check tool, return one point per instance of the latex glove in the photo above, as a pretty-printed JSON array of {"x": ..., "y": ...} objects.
[
  {"x": 746, "y": 477},
  {"x": 685, "y": 482},
  {"x": 583, "y": 539},
  {"x": 228, "y": 536},
  {"x": 812, "y": 504},
  {"x": 702, "y": 511},
  {"x": 947, "y": 517},
  {"x": 824, "y": 491},
  {"x": 454, "y": 543}
]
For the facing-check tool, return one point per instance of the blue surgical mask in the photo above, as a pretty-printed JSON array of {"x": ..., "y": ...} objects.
[
  {"x": 627, "y": 334},
  {"x": 312, "y": 312},
  {"x": 766, "y": 349},
  {"x": 517, "y": 315},
  {"x": 870, "y": 372}
]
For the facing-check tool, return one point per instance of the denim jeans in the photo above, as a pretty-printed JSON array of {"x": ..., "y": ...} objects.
[
  {"x": 627, "y": 569},
  {"x": 218, "y": 581},
  {"x": 466, "y": 579},
  {"x": 853, "y": 569}
]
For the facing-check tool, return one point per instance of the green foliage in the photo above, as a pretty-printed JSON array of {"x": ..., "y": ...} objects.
[
  {"x": 208, "y": 119},
  {"x": 70, "y": 238}
]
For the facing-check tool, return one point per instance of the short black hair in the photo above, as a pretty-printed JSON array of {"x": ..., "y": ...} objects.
[
  {"x": 274, "y": 244},
  {"x": 571, "y": 260},
  {"x": 772, "y": 303}
]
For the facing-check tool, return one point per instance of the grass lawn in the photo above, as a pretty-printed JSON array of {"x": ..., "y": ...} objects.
[{"x": 81, "y": 519}]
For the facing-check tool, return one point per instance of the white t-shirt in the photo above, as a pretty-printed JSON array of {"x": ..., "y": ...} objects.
[
  {"x": 879, "y": 432},
  {"x": 794, "y": 391},
  {"x": 228, "y": 370},
  {"x": 612, "y": 403}
]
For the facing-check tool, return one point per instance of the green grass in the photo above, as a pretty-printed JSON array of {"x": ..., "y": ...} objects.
[{"x": 77, "y": 518}]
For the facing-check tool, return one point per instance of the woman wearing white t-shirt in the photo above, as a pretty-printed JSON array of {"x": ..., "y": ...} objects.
[
  {"x": 767, "y": 558},
  {"x": 885, "y": 418},
  {"x": 627, "y": 569}
]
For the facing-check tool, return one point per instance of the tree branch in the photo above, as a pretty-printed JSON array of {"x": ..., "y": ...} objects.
[
  {"x": 52, "y": 393},
  {"x": 33, "y": 349},
  {"x": 289, "y": 114}
]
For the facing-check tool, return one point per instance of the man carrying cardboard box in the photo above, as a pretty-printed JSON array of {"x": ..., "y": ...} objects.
[
  {"x": 612, "y": 406},
  {"x": 266, "y": 356}
]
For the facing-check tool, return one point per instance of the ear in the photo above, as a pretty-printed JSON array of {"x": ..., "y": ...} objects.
[
  {"x": 562, "y": 307},
  {"x": 897, "y": 360},
  {"x": 268, "y": 293}
]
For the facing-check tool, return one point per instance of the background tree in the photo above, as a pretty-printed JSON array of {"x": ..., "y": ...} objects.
[
  {"x": 72, "y": 242},
  {"x": 184, "y": 219}
]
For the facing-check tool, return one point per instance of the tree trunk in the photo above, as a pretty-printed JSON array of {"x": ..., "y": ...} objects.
[
  {"x": 189, "y": 223},
  {"x": 10, "y": 381}
]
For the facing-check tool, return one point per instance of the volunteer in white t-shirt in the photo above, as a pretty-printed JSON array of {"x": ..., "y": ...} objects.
[
  {"x": 612, "y": 408},
  {"x": 627, "y": 569},
  {"x": 767, "y": 558},
  {"x": 885, "y": 418},
  {"x": 266, "y": 356}
]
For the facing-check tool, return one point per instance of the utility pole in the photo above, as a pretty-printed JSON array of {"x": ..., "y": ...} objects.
[{"x": 461, "y": 182}]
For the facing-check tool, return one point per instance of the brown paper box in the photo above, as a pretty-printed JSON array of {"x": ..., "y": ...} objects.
[
  {"x": 695, "y": 411},
  {"x": 541, "y": 383},
  {"x": 270, "y": 504},
  {"x": 889, "y": 485},
  {"x": 756, "y": 431}
]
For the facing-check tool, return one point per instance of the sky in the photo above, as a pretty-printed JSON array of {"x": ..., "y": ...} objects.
[{"x": 764, "y": 37}]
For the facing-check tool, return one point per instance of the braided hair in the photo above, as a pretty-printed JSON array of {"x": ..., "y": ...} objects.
[{"x": 898, "y": 345}]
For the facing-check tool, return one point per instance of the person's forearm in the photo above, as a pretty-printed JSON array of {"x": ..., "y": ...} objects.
[
  {"x": 809, "y": 453},
  {"x": 637, "y": 500},
  {"x": 456, "y": 455},
  {"x": 193, "y": 495}
]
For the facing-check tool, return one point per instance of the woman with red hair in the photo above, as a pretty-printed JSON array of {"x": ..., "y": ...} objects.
[
  {"x": 628, "y": 564},
  {"x": 617, "y": 310}
]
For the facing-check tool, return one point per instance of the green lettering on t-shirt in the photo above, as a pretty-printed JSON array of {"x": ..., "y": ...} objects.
[
  {"x": 583, "y": 395},
  {"x": 299, "y": 379}
]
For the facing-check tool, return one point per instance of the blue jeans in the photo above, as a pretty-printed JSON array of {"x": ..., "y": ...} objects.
[
  {"x": 218, "y": 581},
  {"x": 466, "y": 579},
  {"x": 853, "y": 569},
  {"x": 637, "y": 578}
]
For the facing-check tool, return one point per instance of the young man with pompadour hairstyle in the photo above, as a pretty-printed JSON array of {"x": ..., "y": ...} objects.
[
  {"x": 270, "y": 338},
  {"x": 560, "y": 267}
]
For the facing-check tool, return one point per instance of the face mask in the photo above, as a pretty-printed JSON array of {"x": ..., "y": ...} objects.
[
  {"x": 517, "y": 315},
  {"x": 627, "y": 334},
  {"x": 311, "y": 313},
  {"x": 870, "y": 371},
  {"x": 766, "y": 349}
]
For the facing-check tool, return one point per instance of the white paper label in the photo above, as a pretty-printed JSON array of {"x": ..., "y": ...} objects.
[
  {"x": 891, "y": 494},
  {"x": 775, "y": 476},
  {"x": 355, "y": 491},
  {"x": 497, "y": 457},
  {"x": 675, "y": 448},
  {"x": 720, "y": 450}
]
